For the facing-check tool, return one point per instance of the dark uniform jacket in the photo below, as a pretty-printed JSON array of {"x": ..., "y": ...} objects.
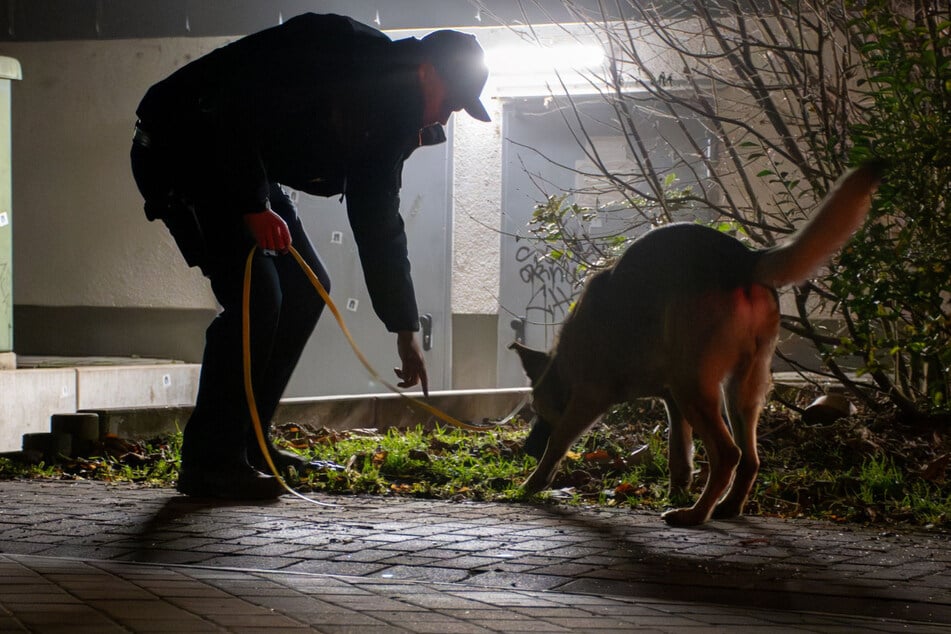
[{"x": 322, "y": 104}]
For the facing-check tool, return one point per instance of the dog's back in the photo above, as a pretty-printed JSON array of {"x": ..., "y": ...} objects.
[{"x": 662, "y": 302}]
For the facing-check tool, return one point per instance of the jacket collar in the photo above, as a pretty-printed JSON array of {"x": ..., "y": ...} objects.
[{"x": 432, "y": 135}]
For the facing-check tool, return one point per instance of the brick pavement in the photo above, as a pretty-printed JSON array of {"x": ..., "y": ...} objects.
[{"x": 544, "y": 568}]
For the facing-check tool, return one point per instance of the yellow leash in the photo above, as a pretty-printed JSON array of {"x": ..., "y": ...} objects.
[{"x": 249, "y": 389}]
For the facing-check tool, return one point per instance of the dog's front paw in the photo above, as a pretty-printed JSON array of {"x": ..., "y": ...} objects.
[
  {"x": 536, "y": 483},
  {"x": 530, "y": 488},
  {"x": 727, "y": 511},
  {"x": 685, "y": 517}
]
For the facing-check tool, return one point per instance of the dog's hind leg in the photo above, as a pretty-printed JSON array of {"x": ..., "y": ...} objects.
[
  {"x": 703, "y": 410},
  {"x": 745, "y": 396},
  {"x": 575, "y": 420},
  {"x": 680, "y": 452}
]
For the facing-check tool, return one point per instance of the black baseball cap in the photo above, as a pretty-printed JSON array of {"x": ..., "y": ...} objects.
[{"x": 460, "y": 61}]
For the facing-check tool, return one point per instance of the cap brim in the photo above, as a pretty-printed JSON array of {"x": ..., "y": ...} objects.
[{"x": 477, "y": 111}]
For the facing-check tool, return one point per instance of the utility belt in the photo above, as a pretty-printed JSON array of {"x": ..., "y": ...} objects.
[
  {"x": 155, "y": 175},
  {"x": 140, "y": 136}
]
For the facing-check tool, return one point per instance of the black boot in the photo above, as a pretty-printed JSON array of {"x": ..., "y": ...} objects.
[
  {"x": 284, "y": 460},
  {"x": 228, "y": 481}
]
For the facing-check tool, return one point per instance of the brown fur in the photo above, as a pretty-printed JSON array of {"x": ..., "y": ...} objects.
[{"x": 689, "y": 315}]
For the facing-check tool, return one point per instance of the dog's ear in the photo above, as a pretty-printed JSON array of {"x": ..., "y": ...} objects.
[{"x": 535, "y": 362}]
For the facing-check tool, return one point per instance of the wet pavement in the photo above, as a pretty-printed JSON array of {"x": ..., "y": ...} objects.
[{"x": 90, "y": 556}]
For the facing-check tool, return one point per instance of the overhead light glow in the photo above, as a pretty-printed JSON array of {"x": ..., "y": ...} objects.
[{"x": 530, "y": 59}]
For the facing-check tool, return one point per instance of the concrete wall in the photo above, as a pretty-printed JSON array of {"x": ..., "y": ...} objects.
[
  {"x": 474, "y": 356},
  {"x": 84, "y": 254},
  {"x": 82, "y": 239}
]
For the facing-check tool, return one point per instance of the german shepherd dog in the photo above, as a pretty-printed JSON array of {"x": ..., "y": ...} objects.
[{"x": 689, "y": 315}]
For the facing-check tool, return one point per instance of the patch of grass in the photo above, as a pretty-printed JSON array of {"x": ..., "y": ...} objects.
[
  {"x": 877, "y": 490},
  {"x": 15, "y": 469},
  {"x": 854, "y": 470},
  {"x": 443, "y": 463},
  {"x": 113, "y": 459},
  {"x": 879, "y": 480}
]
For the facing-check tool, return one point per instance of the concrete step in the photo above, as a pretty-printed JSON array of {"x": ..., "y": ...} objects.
[
  {"x": 140, "y": 398},
  {"x": 70, "y": 435},
  {"x": 41, "y": 387},
  {"x": 380, "y": 411}
]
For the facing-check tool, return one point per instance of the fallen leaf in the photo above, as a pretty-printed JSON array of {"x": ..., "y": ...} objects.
[
  {"x": 419, "y": 454},
  {"x": 626, "y": 490},
  {"x": 935, "y": 471},
  {"x": 599, "y": 455}
]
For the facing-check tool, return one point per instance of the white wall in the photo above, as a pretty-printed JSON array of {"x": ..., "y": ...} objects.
[
  {"x": 477, "y": 201},
  {"x": 80, "y": 237}
]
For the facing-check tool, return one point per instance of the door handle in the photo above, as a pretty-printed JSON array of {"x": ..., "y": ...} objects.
[
  {"x": 426, "y": 325},
  {"x": 518, "y": 325}
]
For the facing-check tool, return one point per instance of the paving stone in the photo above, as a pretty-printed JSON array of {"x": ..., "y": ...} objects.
[
  {"x": 368, "y": 555},
  {"x": 564, "y": 570},
  {"x": 268, "y": 548},
  {"x": 469, "y": 562},
  {"x": 408, "y": 560},
  {"x": 322, "y": 566},
  {"x": 10, "y": 624},
  {"x": 425, "y": 573},
  {"x": 191, "y": 624},
  {"x": 520, "y": 581}
]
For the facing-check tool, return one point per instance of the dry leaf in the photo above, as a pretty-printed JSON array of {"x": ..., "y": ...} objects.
[
  {"x": 599, "y": 455},
  {"x": 935, "y": 471}
]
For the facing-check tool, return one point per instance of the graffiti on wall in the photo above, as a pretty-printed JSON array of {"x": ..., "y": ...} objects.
[{"x": 547, "y": 293}]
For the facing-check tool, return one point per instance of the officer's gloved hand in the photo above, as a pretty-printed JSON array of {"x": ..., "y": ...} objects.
[{"x": 269, "y": 230}]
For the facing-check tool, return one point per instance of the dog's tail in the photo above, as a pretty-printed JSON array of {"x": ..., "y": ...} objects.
[{"x": 840, "y": 214}]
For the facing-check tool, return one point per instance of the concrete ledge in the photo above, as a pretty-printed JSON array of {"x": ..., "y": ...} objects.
[
  {"x": 136, "y": 385},
  {"x": 27, "y": 400},
  {"x": 30, "y": 395},
  {"x": 141, "y": 423},
  {"x": 340, "y": 413},
  {"x": 392, "y": 410}
]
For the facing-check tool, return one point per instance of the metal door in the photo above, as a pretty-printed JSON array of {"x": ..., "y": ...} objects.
[{"x": 328, "y": 366}]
